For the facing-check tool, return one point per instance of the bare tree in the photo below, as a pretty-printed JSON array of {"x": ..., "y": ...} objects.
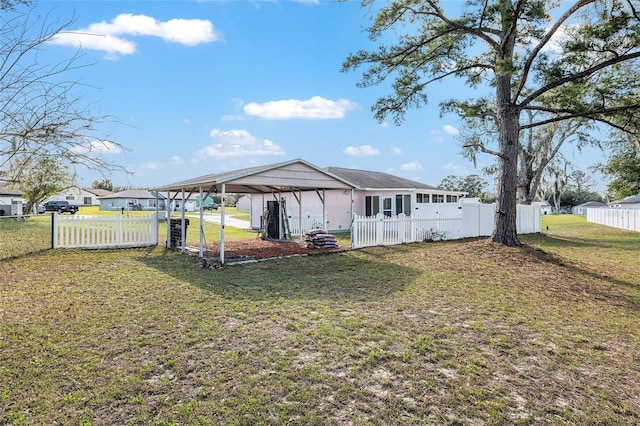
[{"x": 40, "y": 114}]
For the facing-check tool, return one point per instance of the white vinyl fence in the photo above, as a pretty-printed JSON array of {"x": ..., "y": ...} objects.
[
  {"x": 628, "y": 219},
  {"x": 309, "y": 221},
  {"x": 474, "y": 220},
  {"x": 115, "y": 231}
]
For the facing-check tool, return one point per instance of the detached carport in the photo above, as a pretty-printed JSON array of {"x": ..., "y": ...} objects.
[{"x": 295, "y": 176}]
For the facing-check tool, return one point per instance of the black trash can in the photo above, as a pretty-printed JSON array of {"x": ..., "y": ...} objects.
[{"x": 175, "y": 226}]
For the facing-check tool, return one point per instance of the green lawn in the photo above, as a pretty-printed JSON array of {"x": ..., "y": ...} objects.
[
  {"x": 24, "y": 235},
  {"x": 459, "y": 332}
]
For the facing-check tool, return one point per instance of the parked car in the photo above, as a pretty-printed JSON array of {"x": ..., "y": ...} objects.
[
  {"x": 213, "y": 206},
  {"x": 40, "y": 209},
  {"x": 60, "y": 207}
]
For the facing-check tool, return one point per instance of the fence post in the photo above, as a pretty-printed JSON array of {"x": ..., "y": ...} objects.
[
  {"x": 54, "y": 230},
  {"x": 118, "y": 230},
  {"x": 379, "y": 229},
  {"x": 154, "y": 228},
  {"x": 401, "y": 227}
]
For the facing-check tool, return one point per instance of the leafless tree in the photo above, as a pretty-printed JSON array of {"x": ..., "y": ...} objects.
[{"x": 41, "y": 114}]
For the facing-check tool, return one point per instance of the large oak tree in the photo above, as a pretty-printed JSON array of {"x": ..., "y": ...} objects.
[{"x": 561, "y": 60}]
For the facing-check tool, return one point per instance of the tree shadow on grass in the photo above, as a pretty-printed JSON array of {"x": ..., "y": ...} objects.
[
  {"x": 578, "y": 268},
  {"x": 332, "y": 276}
]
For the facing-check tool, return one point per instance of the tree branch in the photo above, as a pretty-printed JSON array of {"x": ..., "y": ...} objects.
[{"x": 573, "y": 77}]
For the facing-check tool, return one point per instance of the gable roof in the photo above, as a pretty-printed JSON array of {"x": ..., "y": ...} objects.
[
  {"x": 592, "y": 204},
  {"x": 4, "y": 190},
  {"x": 98, "y": 192},
  {"x": 632, "y": 199},
  {"x": 140, "y": 194},
  {"x": 365, "y": 179},
  {"x": 288, "y": 176}
]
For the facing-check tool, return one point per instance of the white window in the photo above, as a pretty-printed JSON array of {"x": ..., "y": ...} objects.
[
  {"x": 371, "y": 205},
  {"x": 387, "y": 206},
  {"x": 423, "y": 198}
]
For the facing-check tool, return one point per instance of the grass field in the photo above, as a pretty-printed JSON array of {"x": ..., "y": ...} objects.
[
  {"x": 459, "y": 332},
  {"x": 24, "y": 235}
]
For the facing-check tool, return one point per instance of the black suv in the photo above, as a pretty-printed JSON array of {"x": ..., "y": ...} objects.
[{"x": 60, "y": 207}]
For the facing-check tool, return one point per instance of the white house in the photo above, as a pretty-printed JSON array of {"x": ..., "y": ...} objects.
[
  {"x": 191, "y": 201},
  {"x": 80, "y": 196},
  {"x": 132, "y": 199},
  {"x": 631, "y": 202},
  {"x": 244, "y": 202},
  {"x": 545, "y": 207},
  {"x": 375, "y": 192},
  {"x": 10, "y": 201},
  {"x": 582, "y": 208}
]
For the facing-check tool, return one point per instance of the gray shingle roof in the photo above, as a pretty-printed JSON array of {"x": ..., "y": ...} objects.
[
  {"x": 98, "y": 192},
  {"x": 632, "y": 199},
  {"x": 140, "y": 194},
  {"x": 364, "y": 179},
  {"x": 6, "y": 191}
]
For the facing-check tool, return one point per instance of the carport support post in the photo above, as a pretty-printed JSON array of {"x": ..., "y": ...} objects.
[
  {"x": 300, "y": 213},
  {"x": 324, "y": 211},
  {"x": 183, "y": 231},
  {"x": 168, "y": 219},
  {"x": 200, "y": 252},
  {"x": 222, "y": 202}
]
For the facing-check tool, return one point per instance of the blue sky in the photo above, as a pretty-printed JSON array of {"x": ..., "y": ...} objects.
[{"x": 206, "y": 87}]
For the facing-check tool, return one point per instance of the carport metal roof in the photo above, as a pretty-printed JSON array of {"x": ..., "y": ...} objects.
[
  {"x": 294, "y": 175},
  {"x": 290, "y": 176}
]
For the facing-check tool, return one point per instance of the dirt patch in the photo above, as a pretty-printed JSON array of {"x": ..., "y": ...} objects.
[{"x": 262, "y": 249}]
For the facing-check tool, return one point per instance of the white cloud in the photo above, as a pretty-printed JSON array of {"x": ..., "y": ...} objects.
[
  {"x": 177, "y": 159},
  {"x": 148, "y": 165},
  {"x": 107, "y": 36},
  {"x": 413, "y": 165},
  {"x": 361, "y": 151},
  {"x": 395, "y": 150},
  {"x": 316, "y": 108},
  {"x": 450, "y": 130},
  {"x": 99, "y": 147},
  {"x": 113, "y": 46},
  {"x": 435, "y": 136},
  {"x": 457, "y": 168},
  {"x": 237, "y": 143}
]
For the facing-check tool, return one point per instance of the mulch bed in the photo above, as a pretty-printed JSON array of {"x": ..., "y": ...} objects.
[{"x": 261, "y": 249}]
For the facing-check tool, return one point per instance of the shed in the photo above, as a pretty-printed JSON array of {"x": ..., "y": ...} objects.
[{"x": 294, "y": 176}]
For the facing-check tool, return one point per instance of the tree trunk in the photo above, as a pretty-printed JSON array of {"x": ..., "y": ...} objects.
[{"x": 508, "y": 120}]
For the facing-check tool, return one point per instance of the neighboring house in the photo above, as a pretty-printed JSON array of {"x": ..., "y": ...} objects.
[
  {"x": 80, "y": 196},
  {"x": 582, "y": 208},
  {"x": 191, "y": 202},
  {"x": 132, "y": 199},
  {"x": 631, "y": 202},
  {"x": 545, "y": 207},
  {"x": 375, "y": 192},
  {"x": 244, "y": 203},
  {"x": 10, "y": 201}
]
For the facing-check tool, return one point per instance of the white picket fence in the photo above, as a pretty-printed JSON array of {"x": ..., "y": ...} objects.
[
  {"x": 474, "y": 220},
  {"x": 628, "y": 219},
  {"x": 116, "y": 231}
]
